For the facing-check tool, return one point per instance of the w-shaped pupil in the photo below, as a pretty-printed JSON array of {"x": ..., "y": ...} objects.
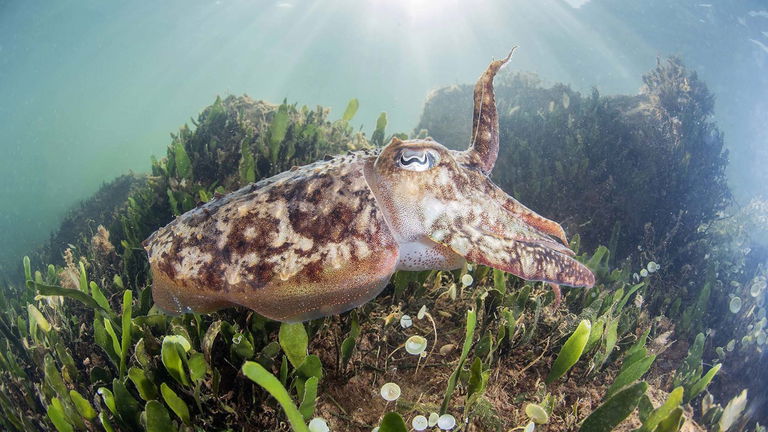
[{"x": 420, "y": 160}]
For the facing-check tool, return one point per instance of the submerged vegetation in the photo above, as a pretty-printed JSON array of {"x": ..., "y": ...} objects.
[
  {"x": 621, "y": 170},
  {"x": 645, "y": 175},
  {"x": 82, "y": 348}
]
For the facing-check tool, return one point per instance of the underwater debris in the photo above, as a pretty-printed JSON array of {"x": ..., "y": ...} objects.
[
  {"x": 69, "y": 276},
  {"x": 420, "y": 423},
  {"x": 446, "y": 422},
  {"x": 100, "y": 242},
  {"x": 406, "y": 321},
  {"x": 390, "y": 392},
  {"x": 318, "y": 424},
  {"x": 416, "y": 345}
]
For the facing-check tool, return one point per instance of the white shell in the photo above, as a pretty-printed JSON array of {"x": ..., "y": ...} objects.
[
  {"x": 416, "y": 345},
  {"x": 390, "y": 392}
]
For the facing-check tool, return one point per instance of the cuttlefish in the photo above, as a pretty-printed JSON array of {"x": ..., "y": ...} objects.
[{"x": 326, "y": 237}]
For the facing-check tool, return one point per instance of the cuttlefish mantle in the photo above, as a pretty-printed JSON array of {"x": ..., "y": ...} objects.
[{"x": 327, "y": 237}]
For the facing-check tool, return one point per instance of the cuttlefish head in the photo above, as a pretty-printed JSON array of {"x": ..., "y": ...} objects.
[{"x": 432, "y": 194}]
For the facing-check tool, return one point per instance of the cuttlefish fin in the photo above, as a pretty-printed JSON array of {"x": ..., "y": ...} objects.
[
  {"x": 179, "y": 297},
  {"x": 528, "y": 260},
  {"x": 329, "y": 291},
  {"x": 303, "y": 297}
]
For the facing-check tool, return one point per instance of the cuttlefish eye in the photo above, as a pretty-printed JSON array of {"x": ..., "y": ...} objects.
[{"x": 417, "y": 159}]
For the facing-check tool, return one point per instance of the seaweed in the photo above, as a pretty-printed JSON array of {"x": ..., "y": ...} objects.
[{"x": 83, "y": 348}]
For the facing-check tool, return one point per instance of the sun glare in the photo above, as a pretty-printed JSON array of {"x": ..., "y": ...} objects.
[{"x": 419, "y": 11}]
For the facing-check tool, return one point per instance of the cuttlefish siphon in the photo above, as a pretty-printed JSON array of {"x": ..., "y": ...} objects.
[{"x": 326, "y": 237}]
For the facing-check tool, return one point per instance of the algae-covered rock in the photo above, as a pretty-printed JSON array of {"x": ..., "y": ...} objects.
[{"x": 101, "y": 209}]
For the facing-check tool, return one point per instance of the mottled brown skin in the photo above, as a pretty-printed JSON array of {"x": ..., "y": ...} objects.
[
  {"x": 485, "y": 120},
  {"x": 326, "y": 237},
  {"x": 288, "y": 247}
]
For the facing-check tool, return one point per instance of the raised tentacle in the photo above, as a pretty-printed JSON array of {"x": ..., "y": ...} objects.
[{"x": 485, "y": 121}]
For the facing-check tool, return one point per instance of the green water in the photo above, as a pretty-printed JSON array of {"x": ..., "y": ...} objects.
[
  {"x": 613, "y": 117},
  {"x": 91, "y": 89}
]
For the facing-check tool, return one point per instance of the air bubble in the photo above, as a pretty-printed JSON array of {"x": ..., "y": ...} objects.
[
  {"x": 735, "y": 305},
  {"x": 420, "y": 423}
]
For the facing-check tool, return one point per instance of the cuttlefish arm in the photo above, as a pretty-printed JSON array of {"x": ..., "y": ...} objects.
[
  {"x": 531, "y": 218},
  {"x": 482, "y": 155},
  {"x": 529, "y": 261},
  {"x": 520, "y": 249},
  {"x": 426, "y": 190},
  {"x": 543, "y": 226},
  {"x": 485, "y": 120}
]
